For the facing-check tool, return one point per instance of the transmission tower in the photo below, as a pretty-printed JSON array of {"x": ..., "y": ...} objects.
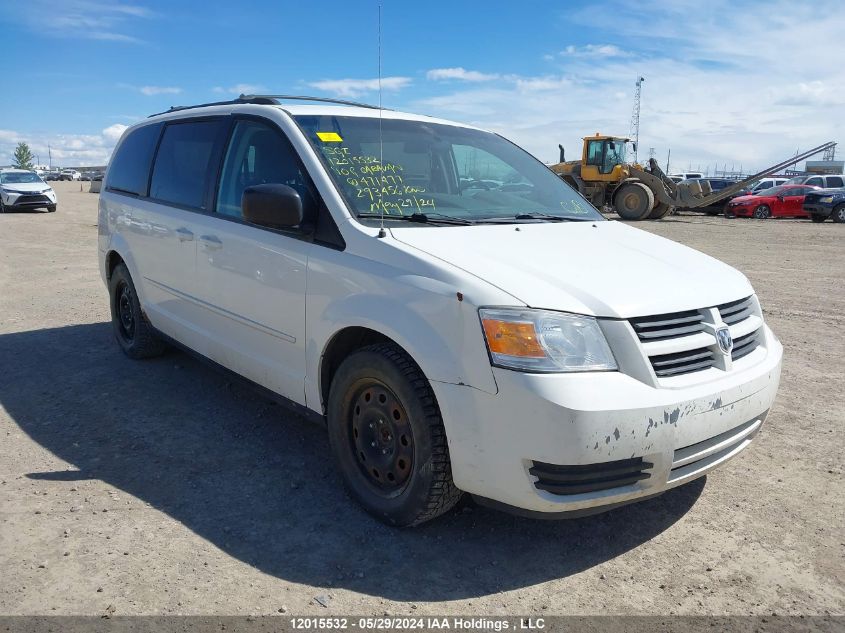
[
  {"x": 635, "y": 116},
  {"x": 830, "y": 153}
]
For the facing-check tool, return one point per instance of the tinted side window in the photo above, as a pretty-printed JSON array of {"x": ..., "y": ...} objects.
[
  {"x": 258, "y": 154},
  {"x": 817, "y": 181},
  {"x": 718, "y": 184},
  {"x": 129, "y": 169},
  {"x": 186, "y": 162},
  {"x": 834, "y": 181}
]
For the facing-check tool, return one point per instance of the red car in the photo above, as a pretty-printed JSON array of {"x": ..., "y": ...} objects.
[{"x": 781, "y": 201}]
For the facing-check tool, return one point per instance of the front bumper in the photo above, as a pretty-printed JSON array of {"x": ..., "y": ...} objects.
[
  {"x": 819, "y": 209},
  {"x": 542, "y": 430},
  {"x": 23, "y": 201}
]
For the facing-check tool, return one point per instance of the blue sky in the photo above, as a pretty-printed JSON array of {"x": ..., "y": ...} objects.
[{"x": 726, "y": 82}]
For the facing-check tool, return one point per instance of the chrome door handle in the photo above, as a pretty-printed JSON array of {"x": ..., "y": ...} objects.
[
  {"x": 184, "y": 234},
  {"x": 211, "y": 242}
]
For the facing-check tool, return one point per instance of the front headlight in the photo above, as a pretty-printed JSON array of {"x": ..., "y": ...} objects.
[
  {"x": 826, "y": 199},
  {"x": 545, "y": 341}
]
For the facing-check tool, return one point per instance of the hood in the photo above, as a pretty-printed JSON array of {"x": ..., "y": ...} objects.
[
  {"x": 751, "y": 197},
  {"x": 604, "y": 269},
  {"x": 26, "y": 186}
]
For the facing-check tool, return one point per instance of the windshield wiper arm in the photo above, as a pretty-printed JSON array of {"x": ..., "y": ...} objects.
[
  {"x": 422, "y": 218},
  {"x": 513, "y": 219}
]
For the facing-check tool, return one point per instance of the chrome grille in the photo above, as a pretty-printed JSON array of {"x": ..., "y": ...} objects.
[
  {"x": 665, "y": 326},
  {"x": 682, "y": 362},
  {"x": 681, "y": 343},
  {"x": 736, "y": 311},
  {"x": 744, "y": 345}
]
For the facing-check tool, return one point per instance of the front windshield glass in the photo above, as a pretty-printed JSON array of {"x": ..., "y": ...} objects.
[
  {"x": 437, "y": 170},
  {"x": 10, "y": 178}
]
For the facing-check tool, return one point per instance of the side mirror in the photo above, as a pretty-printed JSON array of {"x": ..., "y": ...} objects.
[
  {"x": 272, "y": 205},
  {"x": 780, "y": 198}
]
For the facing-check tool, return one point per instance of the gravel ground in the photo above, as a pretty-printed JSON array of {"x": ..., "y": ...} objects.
[{"x": 160, "y": 487}]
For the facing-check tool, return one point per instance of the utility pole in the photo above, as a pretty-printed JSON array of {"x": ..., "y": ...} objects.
[
  {"x": 635, "y": 116},
  {"x": 50, "y": 156},
  {"x": 668, "y": 156}
]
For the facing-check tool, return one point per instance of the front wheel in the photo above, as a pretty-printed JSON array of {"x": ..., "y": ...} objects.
[
  {"x": 51, "y": 208},
  {"x": 838, "y": 214},
  {"x": 633, "y": 201},
  {"x": 135, "y": 336},
  {"x": 815, "y": 217},
  {"x": 762, "y": 212},
  {"x": 388, "y": 438}
]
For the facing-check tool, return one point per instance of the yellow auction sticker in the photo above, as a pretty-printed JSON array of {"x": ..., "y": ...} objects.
[{"x": 329, "y": 137}]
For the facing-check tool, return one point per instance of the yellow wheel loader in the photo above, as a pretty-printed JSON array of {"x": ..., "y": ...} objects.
[{"x": 638, "y": 192}]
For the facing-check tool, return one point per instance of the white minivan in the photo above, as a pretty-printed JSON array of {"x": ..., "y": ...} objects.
[{"x": 459, "y": 318}]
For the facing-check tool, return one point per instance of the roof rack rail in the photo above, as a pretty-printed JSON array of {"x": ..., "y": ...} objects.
[
  {"x": 250, "y": 98},
  {"x": 268, "y": 100}
]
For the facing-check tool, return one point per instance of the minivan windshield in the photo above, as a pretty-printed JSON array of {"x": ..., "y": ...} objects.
[
  {"x": 18, "y": 177},
  {"x": 404, "y": 168}
]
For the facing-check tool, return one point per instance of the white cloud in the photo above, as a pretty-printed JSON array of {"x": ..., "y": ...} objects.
[
  {"x": 79, "y": 19},
  {"x": 593, "y": 50},
  {"x": 356, "y": 87},
  {"x": 67, "y": 150},
  {"x": 240, "y": 89},
  {"x": 152, "y": 91},
  {"x": 439, "y": 74}
]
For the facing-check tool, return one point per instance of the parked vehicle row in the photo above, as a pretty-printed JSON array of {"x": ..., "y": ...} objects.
[{"x": 445, "y": 330}]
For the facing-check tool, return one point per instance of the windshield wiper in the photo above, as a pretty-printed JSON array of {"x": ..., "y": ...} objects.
[
  {"x": 531, "y": 216},
  {"x": 422, "y": 218}
]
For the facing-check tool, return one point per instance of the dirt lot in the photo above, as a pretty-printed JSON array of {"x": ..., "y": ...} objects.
[{"x": 160, "y": 487}]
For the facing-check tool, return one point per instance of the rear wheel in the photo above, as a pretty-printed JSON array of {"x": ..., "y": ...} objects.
[
  {"x": 388, "y": 439},
  {"x": 131, "y": 330},
  {"x": 838, "y": 214},
  {"x": 762, "y": 212},
  {"x": 815, "y": 217},
  {"x": 633, "y": 201},
  {"x": 660, "y": 210}
]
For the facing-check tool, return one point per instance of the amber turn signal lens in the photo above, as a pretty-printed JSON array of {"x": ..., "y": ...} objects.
[{"x": 512, "y": 339}]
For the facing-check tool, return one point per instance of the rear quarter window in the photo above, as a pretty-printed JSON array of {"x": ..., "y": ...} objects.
[{"x": 129, "y": 170}]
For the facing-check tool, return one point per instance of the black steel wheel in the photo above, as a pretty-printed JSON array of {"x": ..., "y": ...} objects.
[
  {"x": 387, "y": 437},
  {"x": 381, "y": 437},
  {"x": 762, "y": 212},
  {"x": 134, "y": 335},
  {"x": 838, "y": 214}
]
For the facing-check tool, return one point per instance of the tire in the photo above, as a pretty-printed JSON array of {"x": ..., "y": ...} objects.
[
  {"x": 51, "y": 209},
  {"x": 633, "y": 201},
  {"x": 387, "y": 437},
  {"x": 660, "y": 210},
  {"x": 815, "y": 217},
  {"x": 838, "y": 214},
  {"x": 2, "y": 206},
  {"x": 762, "y": 212},
  {"x": 131, "y": 330}
]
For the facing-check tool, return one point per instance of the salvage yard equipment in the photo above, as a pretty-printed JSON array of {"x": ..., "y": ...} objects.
[{"x": 636, "y": 192}]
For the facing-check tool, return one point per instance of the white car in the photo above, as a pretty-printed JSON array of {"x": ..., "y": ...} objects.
[
  {"x": 69, "y": 174},
  {"x": 767, "y": 183},
  {"x": 510, "y": 344},
  {"x": 687, "y": 175},
  {"x": 21, "y": 189}
]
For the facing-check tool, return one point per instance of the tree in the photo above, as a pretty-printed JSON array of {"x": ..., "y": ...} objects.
[{"x": 23, "y": 157}]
